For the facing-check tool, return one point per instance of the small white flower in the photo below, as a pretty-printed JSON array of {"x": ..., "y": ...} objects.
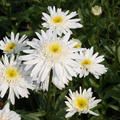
[
  {"x": 7, "y": 114},
  {"x": 60, "y": 21},
  {"x": 97, "y": 10},
  {"x": 14, "y": 44},
  {"x": 90, "y": 63},
  {"x": 14, "y": 79},
  {"x": 51, "y": 53},
  {"x": 81, "y": 102}
]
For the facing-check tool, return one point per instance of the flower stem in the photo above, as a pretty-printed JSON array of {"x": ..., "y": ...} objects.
[{"x": 49, "y": 96}]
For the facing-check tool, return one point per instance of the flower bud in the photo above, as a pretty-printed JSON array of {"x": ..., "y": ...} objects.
[
  {"x": 79, "y": 44},
  {"x": 97, "y": 10}
]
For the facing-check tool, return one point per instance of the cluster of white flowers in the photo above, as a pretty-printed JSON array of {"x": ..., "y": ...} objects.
[{"x": 29, "y": 64}]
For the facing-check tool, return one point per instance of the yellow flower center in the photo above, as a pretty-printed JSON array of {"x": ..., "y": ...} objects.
[
  {"x": 57, "y": 19},
  {"x": 81, "y": 103},
  {"x": 86, "y": 62},
  {"x": 11, "y": 74},
  {"x": 10, "y": 46},
  {"x": 55, "y": 48}
]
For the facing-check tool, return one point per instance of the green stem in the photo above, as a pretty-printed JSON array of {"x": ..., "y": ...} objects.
[
  {"x": 50, "y": 81},
  {"x": 116, "y": 51},
  {"x": 49, "y": 96}
]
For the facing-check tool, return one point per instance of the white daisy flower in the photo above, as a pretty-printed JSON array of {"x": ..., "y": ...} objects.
[
  {"x": 7, "y": 114},
  {"x": 91, "y": 63},
  {"x": 14, "y": 44},
  {"x": 51, "y": 53},
  {"x": 60, "y": 21},
  {"x": 14, "y": 79},
  {"x": 81, "y": 102}
]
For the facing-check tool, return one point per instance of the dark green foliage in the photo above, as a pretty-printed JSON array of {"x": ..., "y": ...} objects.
[{"x": 102, "y": 32}]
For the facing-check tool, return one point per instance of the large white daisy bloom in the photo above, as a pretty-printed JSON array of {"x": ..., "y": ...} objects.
[
  {"x": 60, "y": 21},
  {"x": 81, "y": 102},
  {"x": 7, "y": 114},
  {"x": 14, "y": 79},
  {"x": 14, "y": 44},
  {"x": 51, "y": 53},
  {"x": 91, "y": 63}
]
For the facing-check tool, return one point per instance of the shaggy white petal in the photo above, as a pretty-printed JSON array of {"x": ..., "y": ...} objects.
[{"x": 7, "y": 114}]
